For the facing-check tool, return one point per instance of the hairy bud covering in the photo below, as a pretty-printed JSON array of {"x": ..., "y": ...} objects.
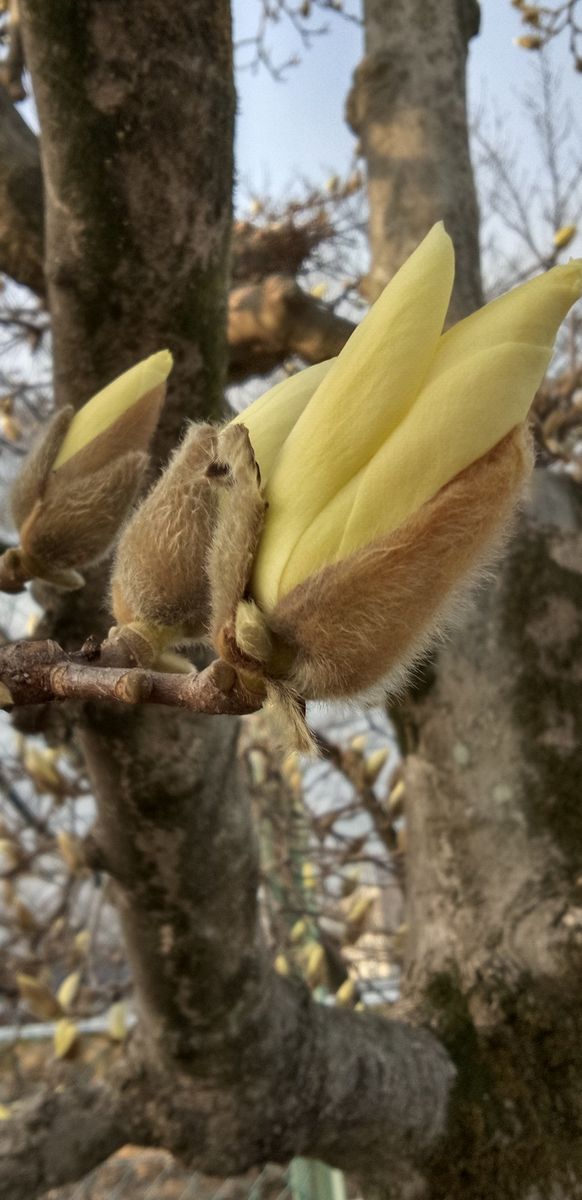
[{"x": 78, "y": 483}]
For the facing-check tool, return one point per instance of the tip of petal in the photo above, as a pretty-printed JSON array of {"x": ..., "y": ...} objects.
[{"x": 103, "y": 409}]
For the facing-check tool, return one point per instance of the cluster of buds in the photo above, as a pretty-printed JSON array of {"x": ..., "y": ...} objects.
[{"x": 317, "y": 540}]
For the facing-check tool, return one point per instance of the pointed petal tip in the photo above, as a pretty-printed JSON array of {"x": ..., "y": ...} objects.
[
  {"x": 439, "y": 231},
  {"x": 161, "y": 362},
  {"x": 107, "y": 406}
]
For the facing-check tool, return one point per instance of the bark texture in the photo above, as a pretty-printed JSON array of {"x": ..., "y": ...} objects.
[
  {"x": 57, "y": 1138},
  {"x": 494, "y": 851},
  {"x": 134, "y": 103},
  {"x": 408, "y": 107}
]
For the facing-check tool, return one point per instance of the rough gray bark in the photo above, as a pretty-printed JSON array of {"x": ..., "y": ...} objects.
[
  {"x": 408, "y": 107},
  {"x": 56, "y": 1138},
  {"x": 137, "y": 226},
  {"x": 494, "y": 851}
]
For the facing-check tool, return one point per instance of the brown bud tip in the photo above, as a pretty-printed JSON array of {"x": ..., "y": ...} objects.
[
  {"x": 13, "y": 571},
  {"x": 125, "y": 647},
  {"x": 6, "y": 700},
  {"x": 223, "y": 675}
]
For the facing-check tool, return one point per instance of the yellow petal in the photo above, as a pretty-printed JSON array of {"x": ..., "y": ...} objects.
[
  {"x": 315, "y": 962},
  {"x": 362, "y": 399},
  {"x": 563, "y": 236},
  {"x": 308, "y": 875},
  {"x": 299, "y": 930},
  {"x": 82, "y": 942},
  {"x": 66, "y": 1034},
  {"x": 481, "y": 384},
  {"x": 117, "y": 1022},
  {"x": 359, "y": 908},
  {"x": 375, "y": 763},
  {"x": 68, "y": 991},
  {"x": 347, "y": 993},
  {"x": 107, "y": 406},
  {"x": 271, "y": 418}
]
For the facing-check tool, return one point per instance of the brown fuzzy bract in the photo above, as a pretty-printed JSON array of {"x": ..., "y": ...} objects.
[
  {"x": 370, "y": 615},
  {"x": 30, "y": 485},
  {"x": 76, "y": 522}
]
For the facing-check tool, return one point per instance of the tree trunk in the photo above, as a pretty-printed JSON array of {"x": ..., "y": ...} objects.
[
  {"x": 408, "y": 107},
  {"x": 495, "y": 844}
]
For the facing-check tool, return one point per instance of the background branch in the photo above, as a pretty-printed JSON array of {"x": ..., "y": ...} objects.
[
  {"x": 269, "y": 321},
  {"x": 57, "y": 1138},
  {"x": 21, "y": 204}
]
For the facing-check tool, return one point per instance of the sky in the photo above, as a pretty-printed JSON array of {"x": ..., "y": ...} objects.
[{"x": 297, "y": 127}]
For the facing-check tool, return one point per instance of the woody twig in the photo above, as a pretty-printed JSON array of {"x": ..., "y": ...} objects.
[{"x": 34, "y": 672}]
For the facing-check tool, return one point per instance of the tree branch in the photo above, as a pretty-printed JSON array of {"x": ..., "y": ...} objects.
[
  {"x": 58, "y": 1138},
  {"x": 21, "y": 203},
  {"x": 35, "y": 672},
  {"x": 269, "y": 321},
  {"x": 281, "y": 247}
]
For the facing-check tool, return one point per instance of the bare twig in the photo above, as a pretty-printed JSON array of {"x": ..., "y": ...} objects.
[{"x": 35, "y": 672}]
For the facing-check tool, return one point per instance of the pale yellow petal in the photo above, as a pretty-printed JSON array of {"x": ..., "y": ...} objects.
[
  {"x": 362, "y": 399},
  {"x": 481, "y": 384},
  {"x": 107, "y": 405},
  {"x": 271, "y": 418},
  {"x": 69, "y": 990},
  {"x": 454, "y": 424},
  {"x": 563, "y": 236},
  {"x": 532, "y": 313},
  {"x": 321, "y": 541},
  {"x": 65, "y": 1037},
  {"x": 117, "y": 1022}
]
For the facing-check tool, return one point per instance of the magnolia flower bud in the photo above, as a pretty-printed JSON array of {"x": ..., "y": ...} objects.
[
  {"x": 184, "y": 558},
  {"x": 563, "y": 236},
  {"x": 386, "y": 476},
  {"x": 77, "y": 484},
  {"x": 396, "y": 478}
]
